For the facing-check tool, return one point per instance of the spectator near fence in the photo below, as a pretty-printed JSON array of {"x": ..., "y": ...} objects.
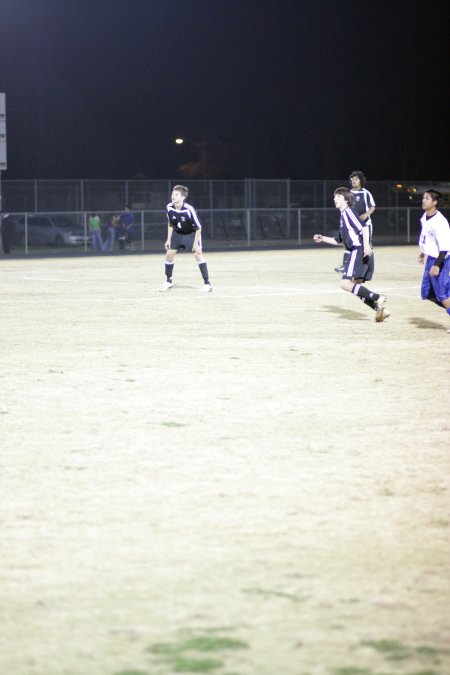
[
  {"x": 95, "y": 229},
  {"x": 128, "y": 222},
  {"x": 112, "y": 224}
]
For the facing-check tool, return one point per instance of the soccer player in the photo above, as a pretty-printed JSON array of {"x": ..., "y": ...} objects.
[
  {"x": 364, "y": 206},
  {"x": 183, "y": 233},
  {"x": 434, "y": 243},
  {"x": 354, "y": 235}
]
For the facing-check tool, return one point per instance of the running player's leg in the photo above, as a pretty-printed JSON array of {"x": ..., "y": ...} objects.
[{"x": 351, "y": 282}]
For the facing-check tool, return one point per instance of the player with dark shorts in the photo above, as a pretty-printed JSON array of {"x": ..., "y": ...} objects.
[
  {"x": 354, "y": 235},
  {"x": 183, "y": 234},
  {"x": 363, "y": 206}
]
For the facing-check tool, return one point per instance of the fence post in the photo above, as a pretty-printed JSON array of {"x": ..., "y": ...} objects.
[
  {"x": 408, "y": 226},
  {"x": 142, "y": 231},
  {"x": 248, "y": 227},
  {"x": 85, "y": 230},
  {"x": 299, "y": 226},
  {"x": 211, "y": 209},
  {"x": 26, "y": 234}
]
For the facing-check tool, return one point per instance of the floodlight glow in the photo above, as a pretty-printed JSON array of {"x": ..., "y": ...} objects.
[{"x": 179, "y": 141}]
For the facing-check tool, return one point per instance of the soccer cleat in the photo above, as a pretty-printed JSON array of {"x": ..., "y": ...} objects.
[
  {"x": 381, "y": 312},
  {"x": 385, "y": 313},
  {"x": 339, "y": 269},
  {"x": 206, "y": 288},
  {"x": 167, "y": 285}
]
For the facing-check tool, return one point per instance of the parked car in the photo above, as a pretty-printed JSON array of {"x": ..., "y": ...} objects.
[{"x": 48, "y": 230}]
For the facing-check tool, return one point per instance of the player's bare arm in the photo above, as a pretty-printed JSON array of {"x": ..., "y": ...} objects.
[
  {"x": 365, "y": 236},
  {"x": 196, "y": 248},
  {"x": 321, "y": 238},
  {"x": 365, "y": 216},
  {"x": 169, "y": 238}
]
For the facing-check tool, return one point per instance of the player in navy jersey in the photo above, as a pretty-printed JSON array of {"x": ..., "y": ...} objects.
[
  {"x": 434, "y": 243},
  {"x": 364, "y": 206},
  {"x": 354, "y": 235},
  {"x": 183, "y": 233}
]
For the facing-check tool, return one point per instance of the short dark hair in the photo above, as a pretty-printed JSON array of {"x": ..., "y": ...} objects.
[
  {"x": 360, "y": 175},
  {"x": 435, "y": 195},
  {"x": 345, "y": 192}
]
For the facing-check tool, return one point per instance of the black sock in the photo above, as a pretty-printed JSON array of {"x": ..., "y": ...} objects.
[
  {"x": 169, "y": 271},
  {"x": 204, "y": 272},
  {"x": 363, "y": 292},
  {"x": 368, "y": 301}
]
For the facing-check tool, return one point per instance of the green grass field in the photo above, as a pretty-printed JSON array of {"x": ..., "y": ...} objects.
[{"x": 248, "y": 482}]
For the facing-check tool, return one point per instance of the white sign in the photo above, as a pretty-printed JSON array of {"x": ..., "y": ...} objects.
[
  {"x": 3, "y": 156},
  {"x": 3, "y": 164}
]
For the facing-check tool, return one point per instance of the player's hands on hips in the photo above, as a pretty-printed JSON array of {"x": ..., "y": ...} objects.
[{"x": 434, "y": 271}]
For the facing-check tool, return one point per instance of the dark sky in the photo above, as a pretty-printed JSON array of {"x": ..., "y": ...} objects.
[{"x": 274, "y": 88}]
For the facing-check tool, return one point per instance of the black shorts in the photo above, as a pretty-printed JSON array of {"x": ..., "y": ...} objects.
[
  {"x": 354, "y": 266},
  {"x": 180, "y": 242},
  {"x": 366, "y": 270}
]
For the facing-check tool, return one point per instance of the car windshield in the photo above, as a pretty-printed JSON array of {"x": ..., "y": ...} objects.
[{"x": 63, "y": 221}]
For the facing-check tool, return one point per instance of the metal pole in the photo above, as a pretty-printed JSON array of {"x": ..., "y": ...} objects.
[
  {"x": 248, "y": 228},
  {"x": 26, "y": 234},
  {"x": 211, "y": 208},
  {"x": 85, "y": 230},
  {"x": 288, "y": 200},
  {"x": 408, "y": 226},
  {"x": 142, "y": 231}
]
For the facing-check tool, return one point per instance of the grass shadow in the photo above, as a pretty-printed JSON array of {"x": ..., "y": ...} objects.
[
  {"x": 424, "y": 324},
  {"x": 348, "y": 314}
]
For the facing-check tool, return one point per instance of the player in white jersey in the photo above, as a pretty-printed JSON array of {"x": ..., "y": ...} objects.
[
  {"x": 183, "y": 234},
  {"x": 434, "y": 244},
  {"x": 364, "y": 206}
]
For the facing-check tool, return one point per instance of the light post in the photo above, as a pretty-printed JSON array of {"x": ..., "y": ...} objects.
[{"x": 200, "y": 166}]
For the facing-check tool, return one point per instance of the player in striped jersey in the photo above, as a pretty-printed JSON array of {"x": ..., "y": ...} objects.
[
  {"x": 183, "y": 233},
  {"x": 434, "y": 243},
  {"x": 354, "y": 235},
  {"x": 364, "y": 206}
]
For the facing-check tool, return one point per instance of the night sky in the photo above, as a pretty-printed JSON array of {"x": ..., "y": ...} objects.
[{"x": 272, "y": 88}]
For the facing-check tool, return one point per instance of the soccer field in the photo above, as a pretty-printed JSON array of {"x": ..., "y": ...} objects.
[{"x": 253, "y": 481}]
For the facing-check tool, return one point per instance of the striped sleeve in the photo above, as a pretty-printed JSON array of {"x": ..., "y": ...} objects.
[
  {"x": 193, "y": 215},
  {"x": 369, "y": 199},
  {"x": 353, "y": 220}
]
